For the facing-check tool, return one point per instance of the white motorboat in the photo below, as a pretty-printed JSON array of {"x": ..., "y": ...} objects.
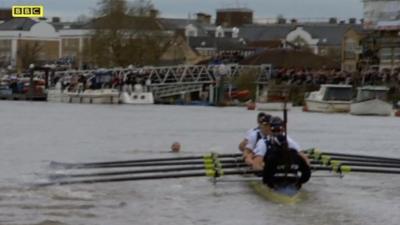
[
  {"x": 273, "y": 100},
  {"x": 329, "y": 98},
  {"x": 371, "y": 100},
  {"x": 138, "y": 96}
]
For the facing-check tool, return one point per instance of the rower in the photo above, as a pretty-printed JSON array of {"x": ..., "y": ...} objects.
[
  {"x": 279, "y": 158},
  {"x": 175, "y": 147},
  {"x": 252, "y": 137}
]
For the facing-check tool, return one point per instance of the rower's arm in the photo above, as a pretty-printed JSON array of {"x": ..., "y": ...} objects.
[
  {"x": 258, "y": 163},
  {"x": 242, "y": 145},
  {"x": 305, "y": 157}
]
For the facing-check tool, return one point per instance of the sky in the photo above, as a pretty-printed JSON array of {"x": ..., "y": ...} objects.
[{"x": 313, "y": 9}]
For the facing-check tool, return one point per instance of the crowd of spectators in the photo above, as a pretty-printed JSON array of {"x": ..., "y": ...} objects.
[{"x": 317, "y": 77}]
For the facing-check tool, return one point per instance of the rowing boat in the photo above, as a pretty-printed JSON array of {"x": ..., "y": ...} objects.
[{"x": 284, "y": 195}]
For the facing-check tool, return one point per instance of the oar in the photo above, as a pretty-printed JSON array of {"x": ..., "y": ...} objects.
[
  {"x": 352, "y": 163},
  {"x": 237, "y": 164},
  {"x": 326, "y": 158},
  {"x": 54, "y": 164},
  {"x": 207, "y": 173},
  {"x": 147, "y": 164},
  {"x": 348, "y": 169},
  {"x": 317, "y": 153},
  {"x": 157, "y": 170}
]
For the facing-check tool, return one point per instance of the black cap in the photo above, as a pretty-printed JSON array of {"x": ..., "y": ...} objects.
[
  {"x": 261, "y": 114},
  {"x": 276, "y": 121},
  {"x": 265, "y": 119}
]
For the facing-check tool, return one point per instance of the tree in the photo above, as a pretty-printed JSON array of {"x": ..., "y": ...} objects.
[
  {"x": 141, "y": 8},
  {"x": 125, "y": 35},
  {"x": 28, "y": 53}
]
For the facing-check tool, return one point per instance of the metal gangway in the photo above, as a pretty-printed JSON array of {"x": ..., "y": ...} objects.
[{"x": 167, "y": 81}]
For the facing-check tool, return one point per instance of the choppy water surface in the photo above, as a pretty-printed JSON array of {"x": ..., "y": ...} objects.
[{"x": 33, "y": 134}]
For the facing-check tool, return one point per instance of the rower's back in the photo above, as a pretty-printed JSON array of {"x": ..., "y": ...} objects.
[{"x": 283, "y": 165}]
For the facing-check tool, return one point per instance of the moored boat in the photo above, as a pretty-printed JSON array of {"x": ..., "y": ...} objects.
[
  {"x": 273, "y": 99},
  {"x": 330, "y": 98},
  {"x": 138, "y": 96},
  {"x": 100, "y": 96},
  {"x": 371, "y": 100}
]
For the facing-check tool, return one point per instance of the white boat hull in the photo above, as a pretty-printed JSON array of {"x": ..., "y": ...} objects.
[
  {"x": 371, "y": 107},
  {"x": 327, "y": 106},
  {"x": 89, "y": 96},
  {"x": 137, "y": 98},
  {"x": 272, "y": 106}
]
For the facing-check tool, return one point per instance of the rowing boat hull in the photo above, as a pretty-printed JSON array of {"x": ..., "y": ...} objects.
[{"x": 284, "y": 195}]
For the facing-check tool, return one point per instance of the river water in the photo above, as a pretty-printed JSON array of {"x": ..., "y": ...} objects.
[{"x": 34, "y": 133}]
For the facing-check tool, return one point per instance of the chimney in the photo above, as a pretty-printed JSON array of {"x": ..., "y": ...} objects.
[
  {"x": 352, "y": 21},
  {"x": 332, "y": 20},
  {"x": 56, "y": 19},
  {"x": 153, "y": 13},
  {"x": 342, "y": 22},
  {"x": 5, "y": 14},
  {"x": 293, "y": 21},
  {"x": 42, "y": 18},
  {"x": 203, "y": 18}
]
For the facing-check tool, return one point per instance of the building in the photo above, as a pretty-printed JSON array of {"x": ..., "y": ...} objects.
[
  {"x": 323, "y": 39},
  {"x": 381, "y": 47},
  {"x": 234, "y": 17},
  {"x": 352, "y": 49},
  {"x": 24, "y": 41}
]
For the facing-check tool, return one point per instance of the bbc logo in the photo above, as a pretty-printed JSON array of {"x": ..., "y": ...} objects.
[{"x": 27, "y": 11}]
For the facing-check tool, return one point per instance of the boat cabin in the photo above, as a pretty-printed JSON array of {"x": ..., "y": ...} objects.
[{"x": 371, "y": 92}]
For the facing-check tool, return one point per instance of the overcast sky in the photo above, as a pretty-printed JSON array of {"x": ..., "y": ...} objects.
[{"x": 70, "y": 9}]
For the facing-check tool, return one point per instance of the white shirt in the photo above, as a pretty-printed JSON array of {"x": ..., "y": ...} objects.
[
  {"x": 251, "y": 137},
  {"x": 261, "y": 147}
]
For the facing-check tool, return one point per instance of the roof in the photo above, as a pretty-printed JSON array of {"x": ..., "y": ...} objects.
[
  {"x": 175, "y": 23},
  {"x": 226, "y": 43},
  {"x": 69, "y": 25},
  {"x": 373, "y": 88},
  {"x": 265, "y": 32},
  {"x": 336, "y": 86},
  {"x": 131, "y": 22},
  {"x": 180, "y": 24},
  {"x": 331, "y": 33},
  {"x": 286, "y": 58},
  {"x": 18, "y": 24}
]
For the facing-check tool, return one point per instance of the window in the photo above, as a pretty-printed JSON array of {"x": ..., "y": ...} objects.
[
  {"x": 396, "y": 53},
  {"x": 385, "y": 54},
  {"x": 350, "y": 47},
  {"x": 5, "y": 44}
]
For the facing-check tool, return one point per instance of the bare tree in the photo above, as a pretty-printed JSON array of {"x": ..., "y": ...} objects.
[
  {"x": 28, "y": 53},
  {"x": 125, "y": 34}
]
